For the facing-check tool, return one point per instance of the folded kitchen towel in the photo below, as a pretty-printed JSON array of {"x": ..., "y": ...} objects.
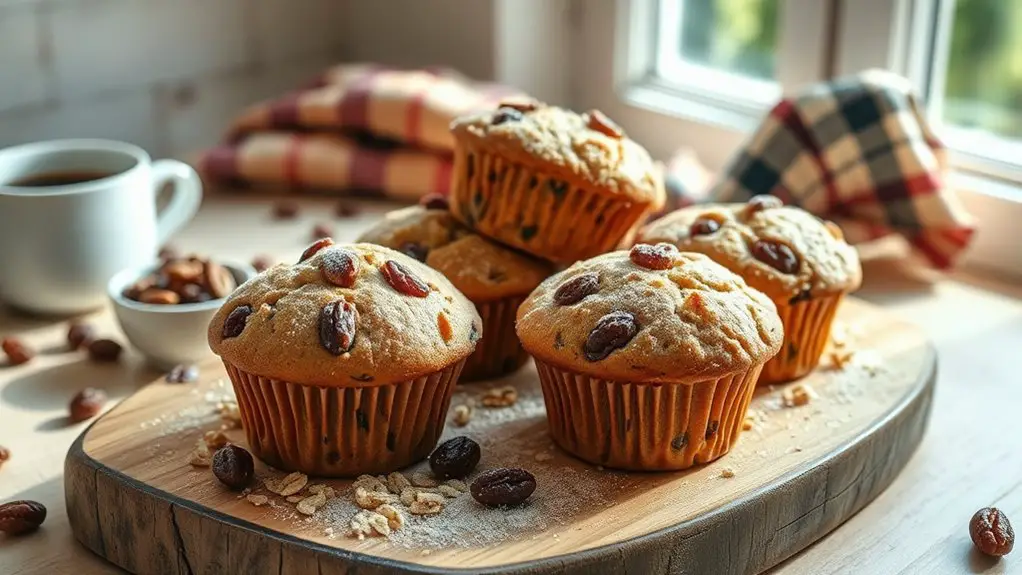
[
  {"x": 859, "y": 151},
  {"x": 358, "y": 128}
]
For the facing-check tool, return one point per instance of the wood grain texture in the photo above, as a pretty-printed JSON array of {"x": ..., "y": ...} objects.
[{"x": 801, "y": 472}]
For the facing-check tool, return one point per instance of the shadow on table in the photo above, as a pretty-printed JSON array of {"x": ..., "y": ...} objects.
[{"x": 53, "y": 388}]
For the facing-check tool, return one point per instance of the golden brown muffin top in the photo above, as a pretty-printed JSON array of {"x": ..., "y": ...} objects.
[
  {"x": 650, "y": 315},
  {"x": 587, "y": 149},
  {"x": 354, "y": 315},
  {"x": 480, "y": 269},
  {"x": 782, "y": 251}
]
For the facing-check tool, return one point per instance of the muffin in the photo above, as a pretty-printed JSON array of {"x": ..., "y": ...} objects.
[
  {"x": 496, "y": 279},
  {"x": 345, "y": 362},
  {"x": 648, "y": 358},
  {"x": 801, "y": 262},
  {"x": 559, "y": 185}
]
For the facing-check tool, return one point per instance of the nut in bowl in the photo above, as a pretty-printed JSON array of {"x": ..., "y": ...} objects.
[{"x": 165, "y": 321}]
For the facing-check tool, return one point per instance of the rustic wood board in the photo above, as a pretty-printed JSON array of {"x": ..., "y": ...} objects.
[{"x": 799, "y": 473}]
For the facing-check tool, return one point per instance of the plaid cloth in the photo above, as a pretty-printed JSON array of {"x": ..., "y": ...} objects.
[
  {"x": 859, "y": 151},
  {"x": 358, "y": 127}
]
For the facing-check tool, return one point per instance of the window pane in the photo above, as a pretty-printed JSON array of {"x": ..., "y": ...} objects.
[
  {"x": 984, "y": 78},
  {"x": 738, "y": 36}
]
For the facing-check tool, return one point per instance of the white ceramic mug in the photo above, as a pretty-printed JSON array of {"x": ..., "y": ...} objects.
[{"x": 60, "y": 244}]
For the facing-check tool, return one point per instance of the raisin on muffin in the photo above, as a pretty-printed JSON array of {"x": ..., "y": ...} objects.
[
  {"x": 344, "y": 363},
  {"x": 559, "y": 185},
  {"x": 494, "y": 278},
  {"x": 800, "y": 261},
  {"x": 648, "y": 358}
]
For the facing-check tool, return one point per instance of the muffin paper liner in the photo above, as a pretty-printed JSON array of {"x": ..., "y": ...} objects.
[
  {"x": 806, "y": 331},
  {"x": 343, "y": 431},
  {"x": 645, "y": 426},
  {"x": 499, "y": 352},
  {"x": 536, "y": 212}
]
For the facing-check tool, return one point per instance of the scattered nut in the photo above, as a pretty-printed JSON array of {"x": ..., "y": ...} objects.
[
  {"x": 257, "y": 500},
  {"x": 839, "y": 359},
  {"x": 427, "y": 503},
  {"x": 309, "y": 505},
  {"x": 214, "y": 439},
  {"x": 423, "y": 479},
  {"x": 183, "y": 280},
  {"x": 379, "y": 523},
  {"x": 727, "y": 473},
  {"x": 370, "y": 483},
  {"x": 397, "y": 482},
  {"x": 233, "y": 466},
  {"x": 17, "y": 351},
  {"x": 326, "y": 490},
  {"x": 457, "y": 484},
  {"x": 295, "y": 498},
  {"x": 448, "y": 491},
  {"x": 86, "y": 404},
  {"x": 456, "y": 457},
  {"x": 798, "y": 395},
  {"x": 395, "y": 520},
  {"x": 289, "y": 485},
  {"x": 500, "y": 397},
  {"x": 20, "y": 517},
  {"x": 748, "y": 423},
  {"x": 80, "y": 335},
  {"x": 408, "y": 495},
  {"x": 229, "y": 412},
  {"x": 503, "y": 486},
  {"x": 462, "y": 415},
  {"x": 372, "y": 499},
  {"x": 991, "y": 532},
  {"x": 105, "y": 351},
  {"x": 201, "y": 456}
]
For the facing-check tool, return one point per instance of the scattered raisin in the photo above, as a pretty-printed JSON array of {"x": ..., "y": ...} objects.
[
  {"x": 236, "y": 320},
  {"x": 760, "y": 203},
  {"x": 402, "y": 280},
  {"x": 20, "y": 517},
  {"x": 613, "y": 331},
  {"x": 17, "y": 351},
  {"x": 659, "y": 257},
  {"x": 233, "y": 466},
  {"x": 183, "y": 374},
  {"x": 315, "y": 247},
  {"x": 503, "y": 486},
  {"x": 105, "y": 351},
  {"x": 704, "y": 227},
  {"x": 86, "y": 404},
  {"x": 414, "y": 250},
  {"x": 434, "y": 202},
  {"x": 991, "y": 532},
  {"x": 262, "y": 263},
  {"x": 80, "y": 334},
  {"x": 577, "y": 288},
  {"x": 340, "y": 267},
  {"x": 776, "y": 255},
  {"x": 321, "y": 231},
  {"x": 599, "y": 122},
  {"x": 455, "y": 458},
  {"x": 346, "y": 209},
  {"x": 507, "y": 115},
  {"x": 284, "y": 210},
  {"x": 337, "y": 326}
]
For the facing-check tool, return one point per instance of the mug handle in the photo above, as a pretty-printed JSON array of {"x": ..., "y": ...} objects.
[{"x": 184, "y": 201}]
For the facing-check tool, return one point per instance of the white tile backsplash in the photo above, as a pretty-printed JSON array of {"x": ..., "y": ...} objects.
[{"x": 23, "y": 77}]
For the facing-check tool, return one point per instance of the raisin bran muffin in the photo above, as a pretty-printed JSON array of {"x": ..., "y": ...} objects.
[
  {"x": 559, "y": 185},
  {"x": 495, "y": 278},
  {"x": 345, "y": 362},
  {"x": 648, "y": 358},
  {"x": 801, "y": 262}
]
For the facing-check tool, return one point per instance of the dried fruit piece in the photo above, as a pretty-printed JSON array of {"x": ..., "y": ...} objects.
[
  {"x": 337, "y": 326},
  {"x": 285, "y": 210},
  {"x": 776, "y": 255},
  {"x": 703, "y": 226},
  {"x": 506, "y": 114},
  {"x": 20, "y": 517},
  {"x": 315, "y": 247},
  {"x": 613, "y": 331},
  {"x": 80, "y": 334},
  {"x": 462, "y": 415},
  {"x": 455, "y": 458},
  {"x": 340, "y": 267},
  {"x": 367, "y": 499},
  {"x": 423, "y": 479},
  {"x": 414, "y": 250},
  {"x": 659, "y": 257},
  {"x": 577, "y": 288},
  {"x": 397, "y": 482},
  {"x": 183, "y": 374},
  {"x": 236, "y": 321},
  {"x": 402, "y": 280},
  {"x": 17, "y": 351},
  {"x": 233, "y": 466},
  {"x": 427, "y": 503},
  {"x": 991, "y": 532},
  {"x": 105, "y": 350},
  {"x": 444, "y": 326},
  {"x": 503, "y": 486},
  {"x": 435, "y": 202},
  {"x": 760, "y": 203},
  {"x": 86, "y": 404},
  {"x": 500, "y": 397},
  {"x": 597, "y": 121},
  {"x": 217, "y": 279}
]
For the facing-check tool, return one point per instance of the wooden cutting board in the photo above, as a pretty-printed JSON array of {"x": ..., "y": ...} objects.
[{"x": 797, "y": 474}]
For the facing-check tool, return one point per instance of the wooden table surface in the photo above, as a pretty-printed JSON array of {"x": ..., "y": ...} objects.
[{"x": 971, "y": 456}]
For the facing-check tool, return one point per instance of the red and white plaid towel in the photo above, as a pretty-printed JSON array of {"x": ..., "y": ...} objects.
[
  {"x": 856, "y": 150},
  {"x": 358, "y": 128}
]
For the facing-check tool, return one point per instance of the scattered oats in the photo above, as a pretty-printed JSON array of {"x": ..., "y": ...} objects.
[
  {"x": 397, "y": 482},
  {"x": 289, "y": 485},
  {"x": 408, "y": 496},
  {"x": 379, "y": 523},
  {"x": 427, "y": 503},
  {"x": 798, "y": 395},
  {"x": 215, "y": 439},
  {"x": 372, "y": 499},
  {"x": 457, "y": 484},
  {"x": 543, "y": 456},
  {"x": 309, "y": 505},
  {"x": 727, "y": 473},
  {"x": 395, "y": 520},
  {"x": 295, "y": 498},
  {"x": 448, "y": 491},
  {"x": 839, "y": 359},
  {"x": 257, "y": 500},
  {"x": 370, "y": 483},
  {"x": 462, "y": 414},
  {"x": 423, "y": 479},
  {"x": 500, "y": 397}
]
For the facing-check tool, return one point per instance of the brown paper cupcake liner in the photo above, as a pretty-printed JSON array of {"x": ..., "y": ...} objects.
[
  {"x": 499, "y": 352},
  {"x": 536, "y": 212},
  {"x": 806, "y": 331},
  {"x": 343, "y": 431},
  {"x": 644, "y": 426}
]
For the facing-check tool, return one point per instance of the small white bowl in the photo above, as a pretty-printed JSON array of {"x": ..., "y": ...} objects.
[{"x": 167, "y": 335}]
